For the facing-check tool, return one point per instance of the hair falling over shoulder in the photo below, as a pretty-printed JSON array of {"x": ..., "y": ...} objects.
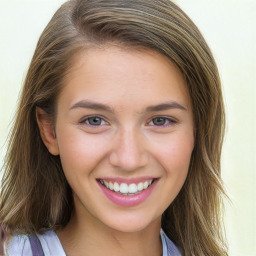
[{"x": 35, "y": 195}]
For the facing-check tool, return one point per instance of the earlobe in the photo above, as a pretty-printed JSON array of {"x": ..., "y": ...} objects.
[{"x": 47, "y": 131}]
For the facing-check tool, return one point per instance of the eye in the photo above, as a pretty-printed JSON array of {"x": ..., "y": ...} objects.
[
  {"x": 94, "y": 121},
  {"x": 162, "y": 121}
]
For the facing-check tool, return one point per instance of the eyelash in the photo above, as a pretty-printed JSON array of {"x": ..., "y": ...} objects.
[
  {"x": 167, "y": 121},
  {"x": 85, "y": 121}
]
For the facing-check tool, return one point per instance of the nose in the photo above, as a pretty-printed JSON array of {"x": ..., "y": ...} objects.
[{"x": 129, "y": 152}]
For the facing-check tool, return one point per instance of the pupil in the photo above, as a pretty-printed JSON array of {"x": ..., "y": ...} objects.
[
  {"x": 159, "y": 121},
  {"x": 94, "y": 121}
]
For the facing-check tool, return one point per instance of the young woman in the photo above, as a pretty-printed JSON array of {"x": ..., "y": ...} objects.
[{"x": 116, "y": 145}]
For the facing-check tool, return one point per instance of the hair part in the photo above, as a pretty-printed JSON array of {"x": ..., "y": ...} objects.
[{"x": 35, "y": 194}]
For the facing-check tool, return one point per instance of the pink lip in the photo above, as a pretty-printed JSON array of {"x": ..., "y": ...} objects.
[{"x": 128, "y": 201}]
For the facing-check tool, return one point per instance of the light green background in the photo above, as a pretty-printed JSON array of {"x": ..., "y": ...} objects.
[{"x": 229, "y": 28}]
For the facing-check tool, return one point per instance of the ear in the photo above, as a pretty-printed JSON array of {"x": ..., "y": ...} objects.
[{"x": 47, "y": 131}]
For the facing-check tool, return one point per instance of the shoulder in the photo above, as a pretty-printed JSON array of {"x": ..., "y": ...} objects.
[
  {"x": 47, "y": 244},
  {"x": 169, "y": 248}
]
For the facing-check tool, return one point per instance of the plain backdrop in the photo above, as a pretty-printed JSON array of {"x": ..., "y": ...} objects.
[{"x": 229, "y": 28}]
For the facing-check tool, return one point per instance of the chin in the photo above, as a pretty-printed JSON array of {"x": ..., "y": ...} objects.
[{"x": 133, "y": 224}]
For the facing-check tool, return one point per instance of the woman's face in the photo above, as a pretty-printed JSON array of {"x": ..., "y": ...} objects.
[{"x": 124, "y": 133}]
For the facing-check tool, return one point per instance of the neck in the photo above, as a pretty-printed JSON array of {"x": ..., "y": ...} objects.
[{"x": 89, "y": 237}]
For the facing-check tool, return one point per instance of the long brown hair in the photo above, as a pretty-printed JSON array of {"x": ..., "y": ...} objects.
[{"x": 35, "y": 194}]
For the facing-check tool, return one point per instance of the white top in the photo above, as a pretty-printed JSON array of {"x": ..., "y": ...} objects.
[{"x": 20, "y": 245}]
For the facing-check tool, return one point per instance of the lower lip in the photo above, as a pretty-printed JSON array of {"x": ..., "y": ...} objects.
[{"x": 124, "y": 200}]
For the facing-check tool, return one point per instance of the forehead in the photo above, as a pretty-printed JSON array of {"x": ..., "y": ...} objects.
[{"x": 110, "y": 73}]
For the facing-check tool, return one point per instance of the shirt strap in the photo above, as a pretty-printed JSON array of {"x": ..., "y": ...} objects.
[{"x": 36, "y": 246}]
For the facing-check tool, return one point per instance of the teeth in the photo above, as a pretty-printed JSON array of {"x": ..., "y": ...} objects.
[
  {"x": 111, "y": 186},
  {"x": 140, "y": 186},
  {"x": 116, "y": 187},
  {"x": 126, "y": 189},
  {"x": 133, "y": 188},
  {"x": 145, "y": 184},
  {"x": 106, "y": 183}
]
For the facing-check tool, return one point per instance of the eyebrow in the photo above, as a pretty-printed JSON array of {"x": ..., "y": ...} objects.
[
  {"x": 91, "y": 105},
  {"x": 99, "y": 106},
  {"x": 166, "y": 106}
]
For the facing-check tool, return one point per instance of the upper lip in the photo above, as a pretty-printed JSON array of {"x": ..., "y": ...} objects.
[{"x": 127, "y": 180}]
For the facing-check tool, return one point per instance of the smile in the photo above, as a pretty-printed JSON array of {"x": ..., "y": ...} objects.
[
  {"x": 127, "y": 193},
  {"x": 127, "y": 189}
]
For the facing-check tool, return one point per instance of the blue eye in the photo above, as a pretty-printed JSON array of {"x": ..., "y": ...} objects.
[{"x": 94, "y": 121}]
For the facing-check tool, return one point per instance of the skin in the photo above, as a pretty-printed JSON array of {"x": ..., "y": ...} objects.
[{"x": 127, "y": 142}]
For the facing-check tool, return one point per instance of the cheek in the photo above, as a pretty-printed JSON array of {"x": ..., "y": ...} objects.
[
  {"x": 80, "y": 152},
  {"x": 176, "y": 160},
  {"x": 176, "y": 154}
]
